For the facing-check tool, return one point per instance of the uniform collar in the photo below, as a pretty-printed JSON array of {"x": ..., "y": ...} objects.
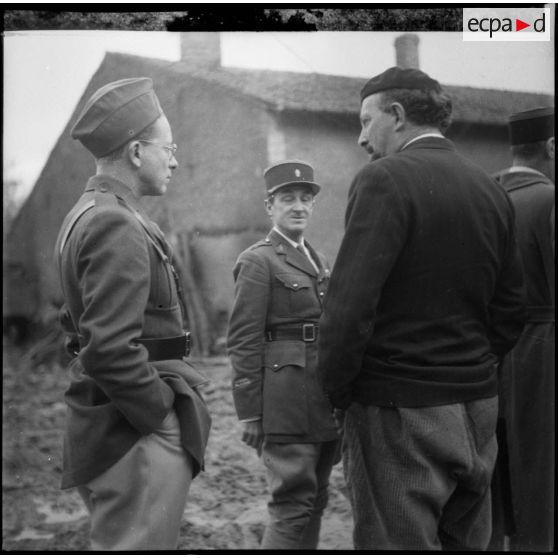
[
  {"x": 291, "y": 242},
  {"x": 292, "y": 255},
  {"x": 106, "y": 183},
  {"x": 521, "y": 168}
]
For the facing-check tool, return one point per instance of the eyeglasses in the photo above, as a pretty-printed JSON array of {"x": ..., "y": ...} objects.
[{"x": 172, "y": 148}]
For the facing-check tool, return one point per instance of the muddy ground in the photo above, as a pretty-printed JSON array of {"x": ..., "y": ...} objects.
[{"x": 226, "y": 509}]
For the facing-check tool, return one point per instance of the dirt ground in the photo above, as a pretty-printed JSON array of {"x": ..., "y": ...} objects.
[{"x": 226, "y": 508}]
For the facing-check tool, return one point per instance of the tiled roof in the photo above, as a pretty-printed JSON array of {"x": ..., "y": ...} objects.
[{"x": 339, "y": 95}]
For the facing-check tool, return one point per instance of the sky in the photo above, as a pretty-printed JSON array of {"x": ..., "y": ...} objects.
[{"x": 46, "y": 73}]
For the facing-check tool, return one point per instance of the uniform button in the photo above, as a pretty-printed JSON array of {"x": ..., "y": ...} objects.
[
  {"x": 322, "y": 293},
  {"x": 275, "y": 366},
  {"x": 295, "y": 284}
]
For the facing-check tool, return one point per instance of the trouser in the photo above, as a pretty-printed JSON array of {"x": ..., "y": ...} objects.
[
  {"x": 298, "y": 479},
  {"x": 503, "y": 523},
  {"x": 419, "y": 478},
  {"x": 138, "y": 503}
]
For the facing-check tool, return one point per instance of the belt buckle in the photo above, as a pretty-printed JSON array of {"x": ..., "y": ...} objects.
[
  {"x": 308, "y": 337},
  {"x": 187, "y": 343}
]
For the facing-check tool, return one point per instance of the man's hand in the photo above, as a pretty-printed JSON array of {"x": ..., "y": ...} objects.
[
  {"x": 253, "y": 435},
  {"x": 339, "y": 418}
]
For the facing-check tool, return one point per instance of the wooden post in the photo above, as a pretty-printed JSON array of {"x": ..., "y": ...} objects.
[{"x": 196, "y": 314}]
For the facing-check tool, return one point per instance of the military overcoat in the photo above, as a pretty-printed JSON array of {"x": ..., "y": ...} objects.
[
  {"x": 118, "y": 289},
  {"x": 527, "y": 392},
  {"x": 277, "y": 286}
]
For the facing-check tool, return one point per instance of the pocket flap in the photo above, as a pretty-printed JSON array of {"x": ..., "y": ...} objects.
[
  {"x": 284, "y": 353},
  {"x": 294, "y": 281}
]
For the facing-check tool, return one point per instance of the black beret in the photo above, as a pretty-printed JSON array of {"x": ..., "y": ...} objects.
[
  {"x": 531, "y": 125},
  {"x": 399, "y": 78},
  {"x": 116, "y": 113}
]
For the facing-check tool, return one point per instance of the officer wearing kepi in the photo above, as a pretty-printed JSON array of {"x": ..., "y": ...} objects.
[
  {"x": 136, "y": 425},
  {"x": 272, "y": 343}
]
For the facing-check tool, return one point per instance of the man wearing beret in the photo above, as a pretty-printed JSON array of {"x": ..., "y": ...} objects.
[
  {"x": 136, "y": 424},
  {"x": 424, "y": 300},
  {"x": 280, "y": 283},
  {"x": 526, "y": 500}
]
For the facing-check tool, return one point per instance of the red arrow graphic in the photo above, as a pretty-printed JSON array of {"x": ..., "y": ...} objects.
[{"x": 519, "y": 25}]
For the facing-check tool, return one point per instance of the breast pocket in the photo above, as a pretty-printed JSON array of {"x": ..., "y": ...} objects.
[
  {"x": 285, "y": 406},
  {"x": 294, "y": 295}
]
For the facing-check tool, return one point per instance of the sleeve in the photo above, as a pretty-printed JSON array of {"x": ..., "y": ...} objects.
[
  {"x": 245, "y": 339},
  {"x": 507, "y": 311},
  {"x": 114, "y": 275},
  {"x": 375, "y": 231}
]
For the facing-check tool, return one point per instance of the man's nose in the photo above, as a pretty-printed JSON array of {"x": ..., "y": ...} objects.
[
  {"x": 173, "y": 163},
  {"x": 298, "y": 205},
  {"x": 362, "y": 141}
]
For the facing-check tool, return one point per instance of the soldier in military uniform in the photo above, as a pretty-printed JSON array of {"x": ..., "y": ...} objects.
[
  {"x": 136, "y": 424},
  {"x": 281, "y": 282},
  {"x": 524, "y": 480}
]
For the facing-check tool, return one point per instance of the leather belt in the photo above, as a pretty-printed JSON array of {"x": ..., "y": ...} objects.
[
  {"x": 293, "y": 332},
  {"x": 167, "y": 348},
  {"x": 540, "y": 314}
]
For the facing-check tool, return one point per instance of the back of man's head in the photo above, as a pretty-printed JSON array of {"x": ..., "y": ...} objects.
[
  {"x": 532, "y": 138},
  {"x": 422, "y": 97}
]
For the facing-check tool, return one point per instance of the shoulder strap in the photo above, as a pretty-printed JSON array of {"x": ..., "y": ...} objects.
[
  {"x": 71, "y": 223},
  {"x": 264, "y": 242},
  {"x": 149, "y": 233}
]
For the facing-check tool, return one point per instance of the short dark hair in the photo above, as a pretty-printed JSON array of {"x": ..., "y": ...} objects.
[
  {"x": 422, "y": 106},
  {"x": 532, "y": 150}
]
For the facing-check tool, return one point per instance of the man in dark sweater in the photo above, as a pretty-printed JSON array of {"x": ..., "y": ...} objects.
[{"x": 425, "y": 299}]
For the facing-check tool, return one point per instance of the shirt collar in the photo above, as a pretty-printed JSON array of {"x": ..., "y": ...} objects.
[
  {"x": 427, "y": 135},
  {"x": 291, "y": 242}
]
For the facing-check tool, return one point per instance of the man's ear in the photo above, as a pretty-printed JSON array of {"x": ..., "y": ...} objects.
[
  {"x": 133, "y": 153},
  {"x": 399, "y": 113},
  {"x": 550, "y": 148},
  {"x": 267, "y": 204}
]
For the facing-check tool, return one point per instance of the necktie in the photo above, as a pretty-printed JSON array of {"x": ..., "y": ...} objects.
[{"x": 302, "y": 250}]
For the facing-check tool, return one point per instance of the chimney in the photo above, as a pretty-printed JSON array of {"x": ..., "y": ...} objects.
[
  {"x": 201, "y": 49},
  {"x": 406, "y": 51}
]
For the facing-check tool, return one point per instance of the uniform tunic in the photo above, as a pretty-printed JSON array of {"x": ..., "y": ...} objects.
[
  {"x": 275, "y": 286},
  {"x": 117, "y": 290}
]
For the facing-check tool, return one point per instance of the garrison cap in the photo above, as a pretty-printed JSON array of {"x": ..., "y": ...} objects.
[
  {"x": 531, "y": 125},
  {"x": 399, "y": 78},
  {"x": 289, "y": 173},
  {"x": 115, "y": 114}
]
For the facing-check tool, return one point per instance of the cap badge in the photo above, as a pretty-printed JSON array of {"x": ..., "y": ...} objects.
[{"x": 297, "y": 173}]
